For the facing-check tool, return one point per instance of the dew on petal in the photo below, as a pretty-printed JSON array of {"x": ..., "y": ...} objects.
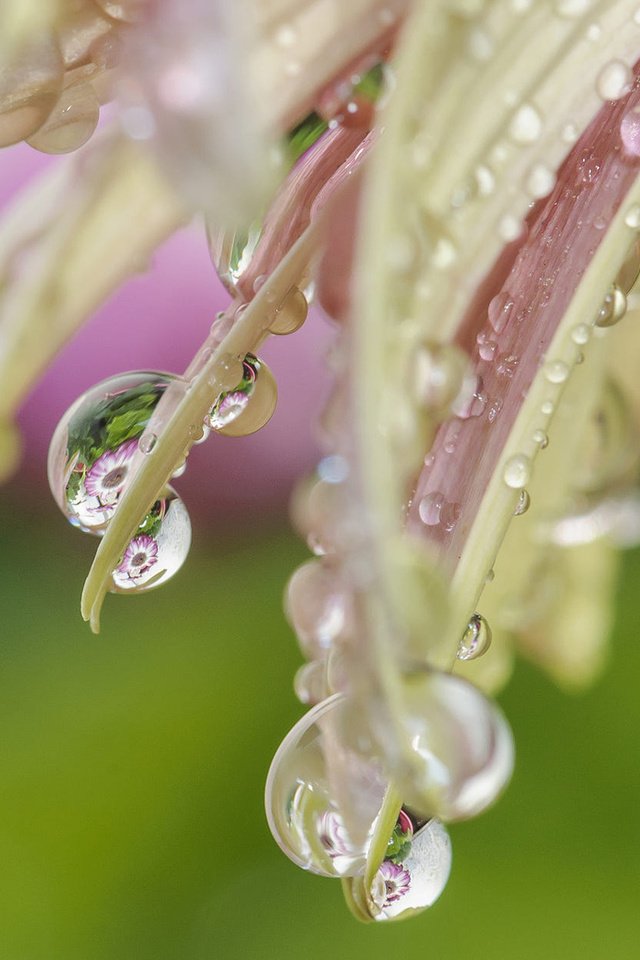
[
  {"x": 96, "y": 442},
  {"x": 517, "y": 471},
  {"x": 159, "y": 548},
  {"x": 249, "y": 405},
  {"x": 614, "y": 80},
  {"x": 476, "y": 639},
  {"x": 526, "y": 124},
  {"x": 413, "y": 883},
  {"x": 523, "y": 504},
  {"x": 317, "y": 606},
  {"x": 613, "y": 309}
]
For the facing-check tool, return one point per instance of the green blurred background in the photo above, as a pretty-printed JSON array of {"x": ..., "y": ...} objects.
[{"x": 133, "y": 764}]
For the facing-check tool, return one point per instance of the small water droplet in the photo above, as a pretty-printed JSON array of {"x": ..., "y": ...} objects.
[
  {"x": 589, "y": 166},
  {"x": 541, "y": 438},
  {"x": 485, "y": 179},
  {"x": 476, "y": 639},
  {"x": 526, "y": 124},
  {"x": 506, "y": 365},
  {"x": 547, "y": 408},
  {"x": 540, "y": 181},
  {"x": 509, "y": 228},
  {"x": 523, "y": 504},
  {"x": 500, "y": 310},
  {"x": 517, "y": 471},
  {"x": 613, "y": 309},
  {"x": 570, "y": 133},
  {"x": 291, "y": 314},
  {"x": 317, "y": 606},
  {"x": 494, "y": 409},
  {"x": 614, "y": 80},
  {"x": 556, "y": 371},
  {"x": 430, "y": 508},
  {"x": 632, "y": 217},
  {"x": 147, "y": 442},
  {"x": 487, "y": 350},
  {"x": 581, "y": 334}
]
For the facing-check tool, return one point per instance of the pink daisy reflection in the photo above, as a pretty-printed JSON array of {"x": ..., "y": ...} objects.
[
  {"x": 108, "y": 475},
  {"x": 334, "y": 836},
  {"x": 396, "y": 881},
  {"x": 139, "y": 557}
]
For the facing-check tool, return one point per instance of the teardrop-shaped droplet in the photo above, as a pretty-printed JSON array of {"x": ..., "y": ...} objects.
[
  {"x": 301, "y": 795},
  {"x": 456, "y": 754},
  {"x": 159, "y": 548},
  {"x": 30, "y": 85},
  {"x": 70, "y": 123},
  {"x": 251, "y": 404},
  {"x": 95, "y": 443},
  {"x": 317, "y": 606},
  {"x": 613, "y": 309},
  {"x": 476, "y": 639},
  {"x": 291, "y": 314},
  {"x": 523, "y": 504},
  {"x": 413, "y": 877}
]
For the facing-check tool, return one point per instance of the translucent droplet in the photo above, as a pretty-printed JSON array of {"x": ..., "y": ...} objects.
[
  {"x": 291, "y": 315},
  {"x": 614, "y": 80},
  {"x": 632, "y": 217},
  {"x": 499, "y": 311},
  {"x": 581, "y": 334},
  {"x": 29, "y": 88},
  {"x": 95, "y": 443},
  {"x": 506, "y": 365},
  {"x": 457, "y": 750},
  {"x": 523, "y": 504},
  {"x": 310, "y": 683},
  {"x": 251, "y": 403},
  {"x": 159, "y": 548},
  {"x": 147, "y": 442},
  {"x": 517, "y": 471},
  {"x": 613, "y": 309},
  {"x": 556, "y": 371},
  {"x": 509, "y": 228},
  {"x": 70, "y": 123},
  {"x": 486, "y": 180},
  {"x": 476, "y": 639},
  {"x": 541, "y": 438},
  {"x": 526, "y": 124},
  {"x": 472, "y": 401},
  {"x": 540, "y": 181},
  {"x": 547, "y": 408},
  {"x": 630, "y": 131},
  {"x": 413, "y": 878},
  {"x": 312, "y": 780},
  {"x": 317, "y": 606}
]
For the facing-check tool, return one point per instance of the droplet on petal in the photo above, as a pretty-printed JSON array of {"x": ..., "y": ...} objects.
[
  {"x": 70, "y": 123},
  {"x": 159, "y": 548},
  {"x": 95, "y": 443},
  {"x": 291, "y": 314},
  {"x": 613, "y": 309},
  {"x": 317, "y": 606},
  {"x": 476, "y": 639},
  {"x": 301, "y": 795},
  {"x": 249, "y": 405}
]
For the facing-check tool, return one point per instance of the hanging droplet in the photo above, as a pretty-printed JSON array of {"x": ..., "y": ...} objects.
[
  {"x": 291, "y": 314},
  {"x": 96, "y": 442},
  {"x": 159, "y": 548},
  {"x": 476, "y": 639},
  {"x": 614, "y": 80},
  {"x": 249, "y": 405},
  {"x": 70, "y": 123},
  {"x": 523, "y": 504},
  {"x": 613, "y": 309},
  {"x": 517, "y": 471},
  {"x": 29, "y": 88},
  {"x": 450, "y": 751},
  {"x": 309, "y": 771},
  {"x": 317, "y": 606},
  {"x": 413, "y": 878}
]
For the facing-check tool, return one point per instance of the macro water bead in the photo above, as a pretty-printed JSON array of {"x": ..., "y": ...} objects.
[
  {"x": 96, "y": 443},
  {"x": 250, "y": 405}
]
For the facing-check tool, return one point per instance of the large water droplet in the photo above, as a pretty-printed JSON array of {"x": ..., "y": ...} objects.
[
  {"x": 499, "y": 311},
  {"x": 70, "y": 123},
  {"x": 613, "y": 309},
  {"x": 632, "y": 217},
  {"x": 556, "y": 371},
  {"x": 159, "y": 548},
  {"x": 476, "y": 639},
  {"x": 517, "y": 471},
  {"x": 249, "y": 405},
  {"x": 310, "y": 771},
  {"x": 95, "y": 443},
  {"x": 317, "y": 606},
  {"x": 291, "y": 315},
  {"x": 416, "y": 875}
]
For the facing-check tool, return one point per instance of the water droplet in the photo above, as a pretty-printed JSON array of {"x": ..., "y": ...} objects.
[
  {"x": 158, "y": 550},
  {"x": 494, "y": 409},
  {"x": 523, "y": 504},
  {"x": 581, "y": 334},
  {"x": 313, "y": 784},
  {"x": 517, "y": 471},
  {"x": 541, "y": 438},
  {"x": 540, "y": 181},
  {"x": 507, "y": 364},
  {"x": 471, "y": 402},
  {"x": 310, "y": 683},
  {"x": 291, "y": 314},
  {"x": 95, "y": 443},
  {"x": 547, "y": 408},
  {"x": 430, "y": 508},
  {"x": 526, "y": 124},
  {"x": 614, "y": 80},
  {"x": 632, "y": 217},
  {"x": 476, "y": 639},
  {"x": 333, "y": 469},
  {"x": 147, "y": 442},
  {"x": 613, "y": 309},
  {"x": 415, "y": 876},
  {"x": 249, "y": 405},
  {"x": 570, "y": 133},
  {"x": 500, "y": 309},
  {"x": 487, "y": 350},
  {"x": 556, "y": 371},
  {"x": 486, "y": 180},
  {"x": 509, "y": 228},
  {"x": 317, "y": 606}
]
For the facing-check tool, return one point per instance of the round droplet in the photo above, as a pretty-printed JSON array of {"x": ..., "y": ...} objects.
[
  {"x": 517, "y": 471},
  {"x": 147, "y": 442},
  {"x": 414, "y": 877},
  {"x": 476, "y": 639},
  {"x": 29, "y": 88},
  {"x": 312, "y": 781},
  {"x": 94, "y": 446},
  {"x": 632, "y": 217},
  {"x": 291, "y": 315},
  {"x": 526, "y": 124},
  {"x": 556, "y": 371},
  {"x": 456, "y": 749},
  {"x": 613, "y": 309},
  {"x": 159, "y": 548},
  {"x": 540, "y": 181},
  {"x": 547, "y": 408},
  {"x": 581, "y": 334},
  {"x": 249, "y": 405},
  {"x": 541, "y": 438},
  {"x": 317, "y": 606},
  {"x": 523, "y": 504},
  {"x": 614, "y": 80},
  {"x": 70, "y": 123},
  {"x": 509, "y": 228}
]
